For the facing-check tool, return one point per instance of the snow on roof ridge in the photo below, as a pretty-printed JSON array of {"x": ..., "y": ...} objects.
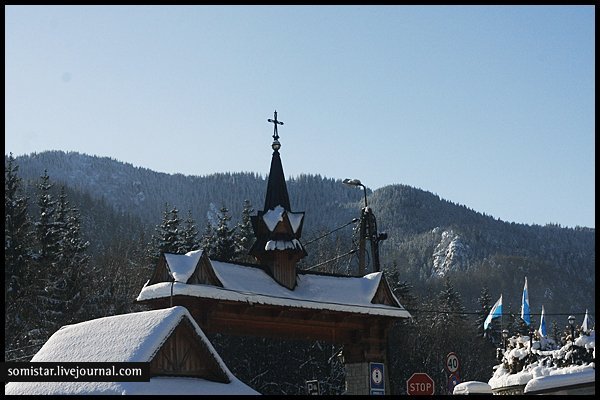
[
  {"x": 273, "y": 216},
  {"x": 182, "y": 266},
  {"x": 295, "y": 220},
  {"x": 221, "y": 293},
  {"x": 93, "y": 340}
]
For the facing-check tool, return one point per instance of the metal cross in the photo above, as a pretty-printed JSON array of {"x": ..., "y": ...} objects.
[{"x": 275, "y": 123}]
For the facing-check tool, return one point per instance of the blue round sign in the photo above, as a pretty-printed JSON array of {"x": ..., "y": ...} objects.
[{"x": 453, "y": 380}]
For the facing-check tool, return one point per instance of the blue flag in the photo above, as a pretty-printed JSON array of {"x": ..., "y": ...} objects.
[
  {"x": 495, "y": 312},
  {"x": 525, "y": 305},
  {"x": 542, "y": 329}
]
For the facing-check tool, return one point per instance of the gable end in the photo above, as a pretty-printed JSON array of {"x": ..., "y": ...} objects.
[{"x": 185, "y": 354}]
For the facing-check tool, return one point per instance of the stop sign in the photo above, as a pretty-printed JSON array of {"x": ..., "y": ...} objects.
[{"x": 420, "y": 384}]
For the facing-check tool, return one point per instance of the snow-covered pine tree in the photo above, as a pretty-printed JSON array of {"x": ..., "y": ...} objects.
[
  {"x": 73, "y": 262},
  {"x": 168, "y": 236},
  {"x": 17, "y": 258},
  {"x": 401, "y": 289},
  {"x": 190, "y": 234},
  {"x": 450, "y": 306},
  {"x": 47, "y": 236},
  {"x": 224, "y": 237},
  {"x": 207, "y": 242},
  {"x": 244, "y": 236}
]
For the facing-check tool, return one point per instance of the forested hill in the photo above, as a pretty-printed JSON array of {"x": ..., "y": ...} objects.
[{"x": 428, "y": 238}]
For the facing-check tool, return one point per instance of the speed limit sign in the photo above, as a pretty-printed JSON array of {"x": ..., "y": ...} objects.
[{"x": 452, "y": 363}]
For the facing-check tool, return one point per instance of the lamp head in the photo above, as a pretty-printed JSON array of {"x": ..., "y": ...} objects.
[
  {"x": 352, "y": 182},
  {"x": 571, "y": 320}
]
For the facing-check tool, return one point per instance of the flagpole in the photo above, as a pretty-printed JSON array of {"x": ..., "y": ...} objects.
[{"x": 501, "y": 325}]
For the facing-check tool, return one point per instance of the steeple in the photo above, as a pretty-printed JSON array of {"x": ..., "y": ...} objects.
[
  {"x": 277, "y": 228},
  {"x": 277, "y": 193}
]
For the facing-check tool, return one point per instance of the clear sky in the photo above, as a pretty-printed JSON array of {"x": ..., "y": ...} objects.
[{"x": 490, "y": 107}]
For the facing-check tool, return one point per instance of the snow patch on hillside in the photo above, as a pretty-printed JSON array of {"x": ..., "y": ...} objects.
[{"x": 451, "y": 253}]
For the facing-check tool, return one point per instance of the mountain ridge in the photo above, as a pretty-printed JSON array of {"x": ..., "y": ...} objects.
[{"x": 428, "y": 237}]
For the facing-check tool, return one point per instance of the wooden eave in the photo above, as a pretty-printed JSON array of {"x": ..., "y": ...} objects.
[{"x": 241, "y": 318}]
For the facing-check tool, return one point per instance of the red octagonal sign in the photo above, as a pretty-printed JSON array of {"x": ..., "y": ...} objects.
[{"x": 420, "y": 384}]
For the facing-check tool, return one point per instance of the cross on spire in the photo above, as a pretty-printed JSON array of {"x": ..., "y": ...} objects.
[{"x": 275, "y": 123}]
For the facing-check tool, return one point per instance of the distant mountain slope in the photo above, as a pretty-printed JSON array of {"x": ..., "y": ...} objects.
[{"x": 429, "y": 237}]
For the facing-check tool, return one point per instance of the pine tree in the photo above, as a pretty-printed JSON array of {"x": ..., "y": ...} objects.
[
  {"x": 190, "y": 234},
  {"x": 17, "y": 261},
  {"x": 47, "y": 234},
  {"x": 168, "y": 236},
  {"x": 207, "y": 242},
  {"x": 41, "y": 319},
  {"x": 224, "y": 238},
  {"x": 450, "y": 304},
  {"x": 484, "y": 300},
  {"x": 244, "y": 236},
  {"x": 401, "y": 289},
  {"x": 73, "y": 262},
  {"x": 17, "y": 234}
]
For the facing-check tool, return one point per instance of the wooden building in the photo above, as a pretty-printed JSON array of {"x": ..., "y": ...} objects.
[
  {"x": 182, "y": 360},
  {"x": 273, "y": 298}
]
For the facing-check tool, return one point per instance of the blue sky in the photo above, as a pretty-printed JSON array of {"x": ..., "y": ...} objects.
[{"x": 490, "y": 107}]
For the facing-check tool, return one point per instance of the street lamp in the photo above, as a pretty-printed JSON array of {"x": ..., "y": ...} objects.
[
  {"x": 571, "y": 320},
  {"x": 505, "y": 336},
  {"x": 356, "y": 182}
]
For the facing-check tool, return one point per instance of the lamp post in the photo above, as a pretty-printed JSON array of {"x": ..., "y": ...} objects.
[
  {"x": 571, "y": 320},
  {"x": 368, "y": 230},
  {"x": 504, "y": 336}
]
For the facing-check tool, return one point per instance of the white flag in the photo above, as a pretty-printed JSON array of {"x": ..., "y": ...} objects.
[
  {"x": 585, "y": 325},
  {"x": 542, "y": 329}
]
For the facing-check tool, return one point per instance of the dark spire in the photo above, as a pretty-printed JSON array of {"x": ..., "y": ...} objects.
[
  {"x": 277, "y": 194},
  {"x": 277, "y": 229}
]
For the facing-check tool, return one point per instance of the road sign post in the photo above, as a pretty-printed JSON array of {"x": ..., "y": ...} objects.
[
  {"x": 420, "y": 384},
  {"x": 313, "y": 387},
  {"x": 377, "y": 378},
  {"x": 453, "y": 380}
]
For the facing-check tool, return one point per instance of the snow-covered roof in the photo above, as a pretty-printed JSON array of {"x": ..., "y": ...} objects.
[
  {"x": 253, "y": 285},
  {"x": 134, "y": 337},
  {"x": 182, "y": 265},
  {"x": 562, "y": 377},
  {"x": 472, "y": 387},
  {"x": 283, "y": 244}
]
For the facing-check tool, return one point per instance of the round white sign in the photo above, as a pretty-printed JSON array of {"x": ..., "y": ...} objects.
[{"x": 452, "y": 363}]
